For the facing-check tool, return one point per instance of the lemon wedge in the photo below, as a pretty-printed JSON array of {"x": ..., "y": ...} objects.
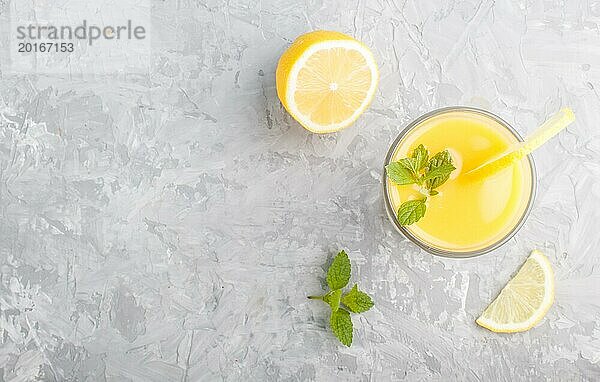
[
  {"x": 525, "y": 300},
  {"x": 326, "y": 80}
]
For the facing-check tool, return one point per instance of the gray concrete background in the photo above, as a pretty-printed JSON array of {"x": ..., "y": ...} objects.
[{"x": 169, "y": 226}]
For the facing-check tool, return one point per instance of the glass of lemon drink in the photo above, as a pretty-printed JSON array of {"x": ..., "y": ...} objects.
[{"x": 463, "y": 216}]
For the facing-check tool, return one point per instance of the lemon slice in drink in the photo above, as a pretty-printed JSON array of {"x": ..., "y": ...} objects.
[
  {"x": 326, "y": 80},
  {"x": 525, "y": 300}
]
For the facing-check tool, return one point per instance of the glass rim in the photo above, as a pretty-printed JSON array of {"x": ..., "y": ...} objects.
[{"x": 444, "y": 252}]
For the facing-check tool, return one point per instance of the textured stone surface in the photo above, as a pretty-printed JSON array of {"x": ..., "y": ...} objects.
[{"x": 169, "y": 226}]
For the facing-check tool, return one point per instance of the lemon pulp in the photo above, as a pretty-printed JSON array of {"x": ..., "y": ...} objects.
[{"x": 326, "y": 80}]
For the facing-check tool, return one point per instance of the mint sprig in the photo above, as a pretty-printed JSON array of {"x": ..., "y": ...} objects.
[
  {"x": 342, "y": 304},
  {"x": 427, "y": 173}
]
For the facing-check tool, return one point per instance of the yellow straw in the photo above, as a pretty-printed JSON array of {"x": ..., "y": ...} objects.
[{"x": 547, "y": 130}]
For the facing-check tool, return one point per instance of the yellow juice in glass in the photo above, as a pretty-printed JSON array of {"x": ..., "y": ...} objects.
[{"x": 468, "y": 216}]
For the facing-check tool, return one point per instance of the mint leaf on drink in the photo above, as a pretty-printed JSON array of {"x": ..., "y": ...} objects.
[
  {"x": 411, "y": 164},
  {"x": 355, "y": 300},
  {"x": 412, "y": 211},
  {"x": 438, "y": 175},
  {"x": 427, "y": 173},
  {"x": 421, "y": 157},
  {"x": 407, "y": 170},
  {"x": 341, "y": 325},
  {"x": 338, "y": 274},
  {"x": 440, "y": 165},
  {"x": 401, "y": 173}
]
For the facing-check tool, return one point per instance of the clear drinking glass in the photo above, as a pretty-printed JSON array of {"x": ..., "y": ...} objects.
[{"x": 429, "y": 247}]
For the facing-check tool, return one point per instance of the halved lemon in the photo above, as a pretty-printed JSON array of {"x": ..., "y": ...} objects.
[
  {"x": 326, "y": 80},
  {"x": 525, "y": 300}
]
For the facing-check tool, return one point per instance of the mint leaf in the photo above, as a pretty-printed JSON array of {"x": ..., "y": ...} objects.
[
  {"x": 440, "y": 160},
  {"x": 420, "y": 157},
  {"x": 338, "y": 274},
  {"x": 410, "y": 164},
  {"x": 410, "y": 212},
  {"x": 442, "y": 172},
  {"x": 357, "y": 301},
  {"x": 401, "y": 173},
  {"x": 422, "y": 170},
  {"x": 341, "y": 324},
  {"x": 333, "y": 299}
]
